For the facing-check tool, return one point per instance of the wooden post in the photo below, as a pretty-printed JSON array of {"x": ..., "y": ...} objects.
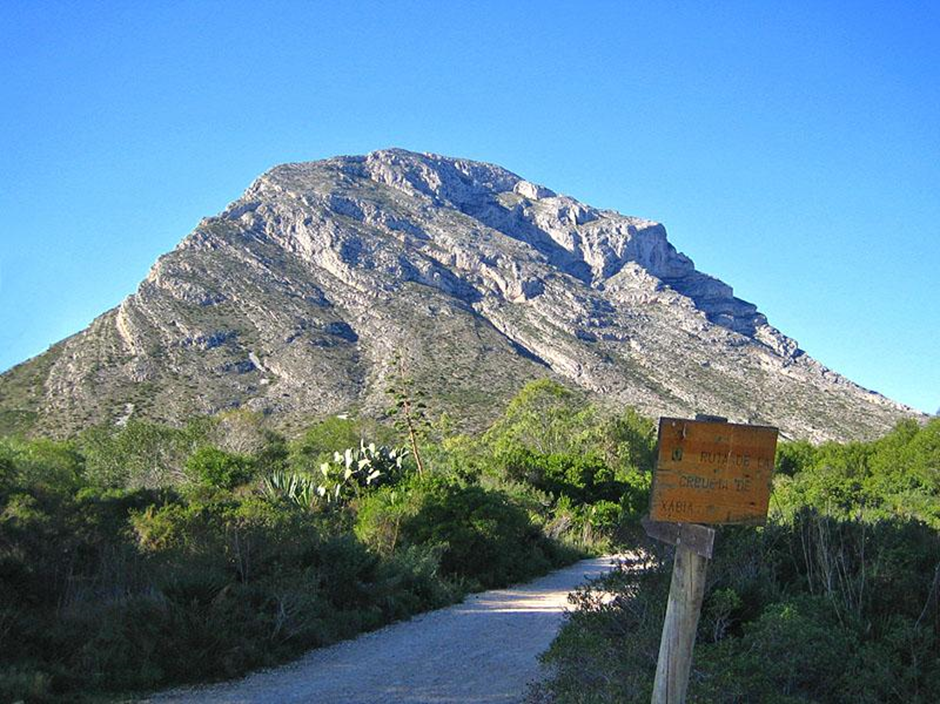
[
  {"x": 707, "y": 471},
  {"x": 686, "y": 592}
]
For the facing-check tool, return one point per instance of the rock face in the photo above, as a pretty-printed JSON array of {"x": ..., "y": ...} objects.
[{"x": 295, "y": 299}]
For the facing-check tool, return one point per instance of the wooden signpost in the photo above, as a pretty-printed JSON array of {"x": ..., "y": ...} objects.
[{"x": 708, "y": 471}]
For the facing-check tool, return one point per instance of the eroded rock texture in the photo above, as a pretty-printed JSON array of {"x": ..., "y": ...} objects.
[{"x": 294, "y": 300}]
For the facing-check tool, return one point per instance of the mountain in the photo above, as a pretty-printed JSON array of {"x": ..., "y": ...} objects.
[{"x": 295, "y": 300}]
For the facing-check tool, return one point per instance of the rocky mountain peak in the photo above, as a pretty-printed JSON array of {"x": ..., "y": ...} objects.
[
  {"x": 581, "y": 241},
  {"x": 293, "y": 300}
]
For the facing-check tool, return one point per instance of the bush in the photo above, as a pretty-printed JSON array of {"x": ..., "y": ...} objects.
[
  {"x": 482, "y": 536},
  {"x": 582, "y": 478},
  {"x": 40, "y": 462},
  {"x": 141, "y": 556},
  {"x": 213, "y": 467},
  {"x": 818, "y": 610},
  {"x": 318, "y": 443},
  {"x": 897, "y": 476},
  {"x": 111, "y": 590},
  {"x": 21, "y": 684},
  {"x": 139, "y": 454}
]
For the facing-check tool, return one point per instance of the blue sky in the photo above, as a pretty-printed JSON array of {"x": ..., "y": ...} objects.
[{"x": 791, "y": 149}]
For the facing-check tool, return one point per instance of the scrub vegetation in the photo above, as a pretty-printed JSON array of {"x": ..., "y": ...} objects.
[
  {"x": 145, "y": 555},
  {"x": 835, "y": 600},
  {"x": 141, "y": 556}
]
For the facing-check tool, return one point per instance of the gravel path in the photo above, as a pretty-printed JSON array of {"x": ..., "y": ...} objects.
[{"x": 481, "y": 651}]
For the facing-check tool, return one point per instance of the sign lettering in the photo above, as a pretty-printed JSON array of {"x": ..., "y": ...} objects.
[{"x": 712, "y": 472}]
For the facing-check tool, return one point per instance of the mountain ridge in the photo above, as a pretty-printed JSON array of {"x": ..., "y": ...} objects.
[{"x": 294, "y": 300}]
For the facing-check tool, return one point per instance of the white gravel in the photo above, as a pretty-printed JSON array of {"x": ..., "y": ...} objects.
[{"x": 480, "y": 651}]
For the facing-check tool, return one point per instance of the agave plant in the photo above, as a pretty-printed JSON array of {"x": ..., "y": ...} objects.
[{"x": 296, "y": 487}]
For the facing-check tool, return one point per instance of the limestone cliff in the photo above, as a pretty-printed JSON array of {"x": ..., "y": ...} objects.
[{"x": 294, "y": 300}]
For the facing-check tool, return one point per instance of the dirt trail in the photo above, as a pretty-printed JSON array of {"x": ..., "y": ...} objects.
[{"x": 481, "y": 651}]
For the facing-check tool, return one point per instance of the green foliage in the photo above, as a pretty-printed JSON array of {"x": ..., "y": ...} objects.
[
  {"x": 836, "y": 600},
  {"x": 139, "y": 556},
  {"x": 896, "y": 476},
  {"x": 820, "y": 610},
  {"x": 605, "y": 515},
  {"x": 139, "y": 454},
  {"x": 545, "y": 418},
  {"x": 40, "y": 462},
  {"x": 346, "y": 476},
  {"x": 213, "y": 467},
  {"x": 114, "y": 590},
  {"x": 581, "y": 478},
  {"x": 482, "y": 537},
  {"x": 379, "y": 517},
  {"x": 273, "y": 454},
  {"x": 638, "y": 433},
  {"x": 552, "y": 443},
  {"x": 787, "y": 654},
  {"x": 7, "y": 471},
  {"x": 794, "y": 456},
  {"x": 319, "y": 442}
]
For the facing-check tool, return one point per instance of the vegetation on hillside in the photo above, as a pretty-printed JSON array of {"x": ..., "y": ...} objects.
[
  {"x": 836, "y": 600},
  {"x": 140, "y": 556}
]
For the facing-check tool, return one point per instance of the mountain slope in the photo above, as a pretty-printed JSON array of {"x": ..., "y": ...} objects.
[{"x": 295, "y": 299}]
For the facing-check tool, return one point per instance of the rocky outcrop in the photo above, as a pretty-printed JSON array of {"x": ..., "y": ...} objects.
[{"x": 294, "y": 299}]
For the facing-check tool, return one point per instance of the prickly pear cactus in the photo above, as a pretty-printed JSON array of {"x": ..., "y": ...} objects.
[{"x": 346, "y": 476}]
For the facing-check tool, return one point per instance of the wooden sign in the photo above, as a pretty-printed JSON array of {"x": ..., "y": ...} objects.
[{"x": 712, "y": 472}]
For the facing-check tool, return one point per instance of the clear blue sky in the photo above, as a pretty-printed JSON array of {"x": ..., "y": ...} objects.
[{"x": 791, "y": 149}]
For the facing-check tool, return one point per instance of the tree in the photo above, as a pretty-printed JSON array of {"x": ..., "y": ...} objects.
[
  {"x": 544, "y": 417},
  {"x": 240, "y": 431}
]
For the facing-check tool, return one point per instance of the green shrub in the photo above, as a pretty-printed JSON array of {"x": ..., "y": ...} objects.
[
  {"x": 140, "y": 454},
  {"x": 582, "y": 478},
  {"x": 161, "y": 587},
  {"x": 224, "y": 470},
  {"x": 482, "y": 535},
  {"x": 897, "y": 476},
  {"x": 318, "y": 443},
  {"x": 40, "y": 462},
  {"x": 23, "y": 684},
  {"x": 7, "y": 471},
  {"x": 817, "y": 610},
  {"x": 794, "y": 457},
  {"x": 379, "y": 518},
  {"x": 141, "y": 556},
  {"x": 795, "y": 651}
]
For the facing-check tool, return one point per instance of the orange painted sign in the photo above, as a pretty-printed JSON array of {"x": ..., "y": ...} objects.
[{"x": 712, "y": 472}]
